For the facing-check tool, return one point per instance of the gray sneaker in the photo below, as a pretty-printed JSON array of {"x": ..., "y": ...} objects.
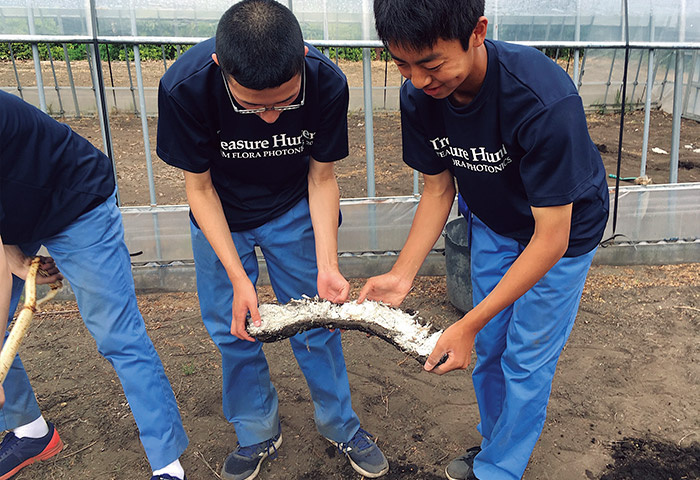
[
  {"x": 462, "y": 467},
  {"x": 364, "y": 455},
  {"x": 244, "y": 462}
]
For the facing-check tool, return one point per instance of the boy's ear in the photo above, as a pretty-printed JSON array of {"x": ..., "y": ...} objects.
[
  {"x": 215, "y": 58},
  {"x": 479, "y": 33},
  {"x": 306, "y": 51}
]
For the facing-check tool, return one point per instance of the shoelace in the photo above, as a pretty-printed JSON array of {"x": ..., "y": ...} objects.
[
  {"x": 258, "y": 449},
  {"x": 6, "y": 444},
  {"x": 360, "y": 441}
]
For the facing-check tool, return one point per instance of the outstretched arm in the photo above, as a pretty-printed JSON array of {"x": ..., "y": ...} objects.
[
  {"x": 206, "y": 208},
  {"x": 324, "y": 205},
  {"x": 431, "y": 215},
  {"x": 547, "y": 246},
  {"x": 5, "y": 293}
]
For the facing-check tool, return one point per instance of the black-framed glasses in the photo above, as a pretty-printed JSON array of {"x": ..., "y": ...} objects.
[{"x": 280, "y": 108}]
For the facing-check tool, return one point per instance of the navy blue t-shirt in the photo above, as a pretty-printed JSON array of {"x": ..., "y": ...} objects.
[
  {"x": 49, "y": 175},
  {"x": 259, "y": 170},
  {"x": 521, "y": 142}
]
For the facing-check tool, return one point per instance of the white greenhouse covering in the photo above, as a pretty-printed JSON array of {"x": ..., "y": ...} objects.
[{"x": 590, "y": 21}]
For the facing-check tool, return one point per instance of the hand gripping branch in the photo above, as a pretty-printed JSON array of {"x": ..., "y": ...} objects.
[{"x": 21, "y": 325}]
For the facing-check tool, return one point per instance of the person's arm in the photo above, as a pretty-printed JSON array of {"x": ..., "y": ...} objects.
[
  {"x": 428, "y": 222},
  {"x": 324, "y": 205},
  {"x": 548, "y": 244},
  {"x": 207, "y": 210}
]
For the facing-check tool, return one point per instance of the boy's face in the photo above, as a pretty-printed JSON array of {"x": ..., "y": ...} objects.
[
  {"x": 445, "y": 68},
  {"x": 280, "y": 96},
  {"x": 268, "y": 103}
]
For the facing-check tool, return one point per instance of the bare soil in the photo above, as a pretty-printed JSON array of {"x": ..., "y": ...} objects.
[{"x": 624, "y": 403}]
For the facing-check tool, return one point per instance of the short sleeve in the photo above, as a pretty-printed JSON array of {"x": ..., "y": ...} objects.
[
  {"x": 181, "y": 138},
  {"x": 417, "y": 151},
  {"x": 331, "y": 140},
  {"x": 559, "y": 154}
]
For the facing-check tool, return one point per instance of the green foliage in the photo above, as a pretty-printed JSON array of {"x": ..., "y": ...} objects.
[
  {"x": 78, "y": 51},
  {"x": 353, "y": 54}
]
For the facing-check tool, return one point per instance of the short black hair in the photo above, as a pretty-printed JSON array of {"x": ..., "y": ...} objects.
[
  {"x": 419, "y": 24},
  {"x": 260, "y": 44}
]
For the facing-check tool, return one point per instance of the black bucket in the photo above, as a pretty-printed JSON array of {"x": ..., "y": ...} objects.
[{"x": 458, "y": 264}]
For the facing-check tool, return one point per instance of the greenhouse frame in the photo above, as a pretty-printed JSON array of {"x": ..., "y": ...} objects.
[{"x": 658, "y": 43}]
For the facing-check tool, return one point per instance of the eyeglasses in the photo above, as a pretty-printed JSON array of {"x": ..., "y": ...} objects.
[{"x": 275, "y": 108}]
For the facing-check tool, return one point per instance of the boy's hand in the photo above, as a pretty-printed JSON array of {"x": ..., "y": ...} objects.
[
  {"x": 245, "y": 300},
  {"x": 333, "y": 286},
  {"x": 19, "y": 265},
  {"x": 456, "y": 342},
  {"x": 387, "y": 288}
]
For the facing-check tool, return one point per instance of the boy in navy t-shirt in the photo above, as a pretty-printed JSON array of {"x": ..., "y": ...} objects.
[
  {"x": 507, "y": 123},
  {"x": 256, "y": 118},
  {"x": 57, "y": 190}
]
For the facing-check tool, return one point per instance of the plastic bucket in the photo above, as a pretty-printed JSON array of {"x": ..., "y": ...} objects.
[{"x": 458, "y": 264}]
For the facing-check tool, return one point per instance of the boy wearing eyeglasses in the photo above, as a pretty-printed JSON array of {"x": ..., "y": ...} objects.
[{"x": 256, "y": 118}]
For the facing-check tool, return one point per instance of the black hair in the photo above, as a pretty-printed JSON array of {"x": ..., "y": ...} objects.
[
  {"x": 260, "y": 44},
  {"x": 419, "y": 24}
]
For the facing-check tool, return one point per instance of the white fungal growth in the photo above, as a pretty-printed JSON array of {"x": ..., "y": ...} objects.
[{"x": 409, "y": 334}]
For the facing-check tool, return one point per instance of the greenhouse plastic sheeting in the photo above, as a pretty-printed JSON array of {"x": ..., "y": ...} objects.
[
  {"x": 652, "y": 214},
  {"x": 511, "y": 20}
]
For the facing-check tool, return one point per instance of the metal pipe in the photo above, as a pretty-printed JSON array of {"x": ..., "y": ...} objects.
[
  {"x": 677, "y": 100},
  {"x": 37, "y": 59},
  {"x": 55, "y": 81},
  {"x": 647, "y": 113},
  {"x": 676, "y": 122},
  {"x": 369, "y": 120},
  {"x": 367, "y": 91},
  {"x": 99, "y": 89},
  {"x": 144, "y": 118},
  {"x": 132, "y": 40},
  {"x": 607, "y": 89},
  {"x": 14, "y": 67},
  {"x": 71, "y": 81},
  {"x": 131, "y": 80}
]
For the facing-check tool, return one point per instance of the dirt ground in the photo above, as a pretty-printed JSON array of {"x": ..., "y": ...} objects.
[
  {"x": 627, "y": 381},
  {"x": 624, "y": 403}
]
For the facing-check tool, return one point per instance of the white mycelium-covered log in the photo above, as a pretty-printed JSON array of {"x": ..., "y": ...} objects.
[{"x": 399, "y": 328}]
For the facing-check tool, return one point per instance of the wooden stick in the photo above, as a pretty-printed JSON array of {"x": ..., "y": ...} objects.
[{"x": 21, "y": 325}]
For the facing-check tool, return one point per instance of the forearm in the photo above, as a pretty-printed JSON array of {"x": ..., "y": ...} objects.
[
  {"x": 324, "y": 207},
  {"x": 5, "y": 291},
  {"x": 428, "y": 223},
  {"x": 546, "y": 247},
  {"x": 17, "y": 262},
  {"x": 208, "y": 211}
]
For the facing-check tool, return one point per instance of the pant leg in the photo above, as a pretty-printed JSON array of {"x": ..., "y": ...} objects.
[
  {"x": 491, "y": 256},
  {"x": 288, "y": 245},
  {"x": 539, "y": 325},
  {"x": 20, "y": 401},
  {"x": 93, "y": 257},
  {"x": 249, "y": 398}
]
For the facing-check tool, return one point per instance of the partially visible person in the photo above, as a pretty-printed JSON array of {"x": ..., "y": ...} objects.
[
  {"x": 256, "y": 119},
  {"x": 508, "y": 125},
  {"x": 58, "y": 190}
]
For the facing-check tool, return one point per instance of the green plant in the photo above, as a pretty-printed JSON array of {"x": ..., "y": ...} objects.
[{"x": 188, "y": 369}]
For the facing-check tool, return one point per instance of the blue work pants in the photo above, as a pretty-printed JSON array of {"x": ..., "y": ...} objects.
[
  {"x": 517, "y": 351},
  {"x": 249, "y": 399},
  {"x": 93, "y": 257}
]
